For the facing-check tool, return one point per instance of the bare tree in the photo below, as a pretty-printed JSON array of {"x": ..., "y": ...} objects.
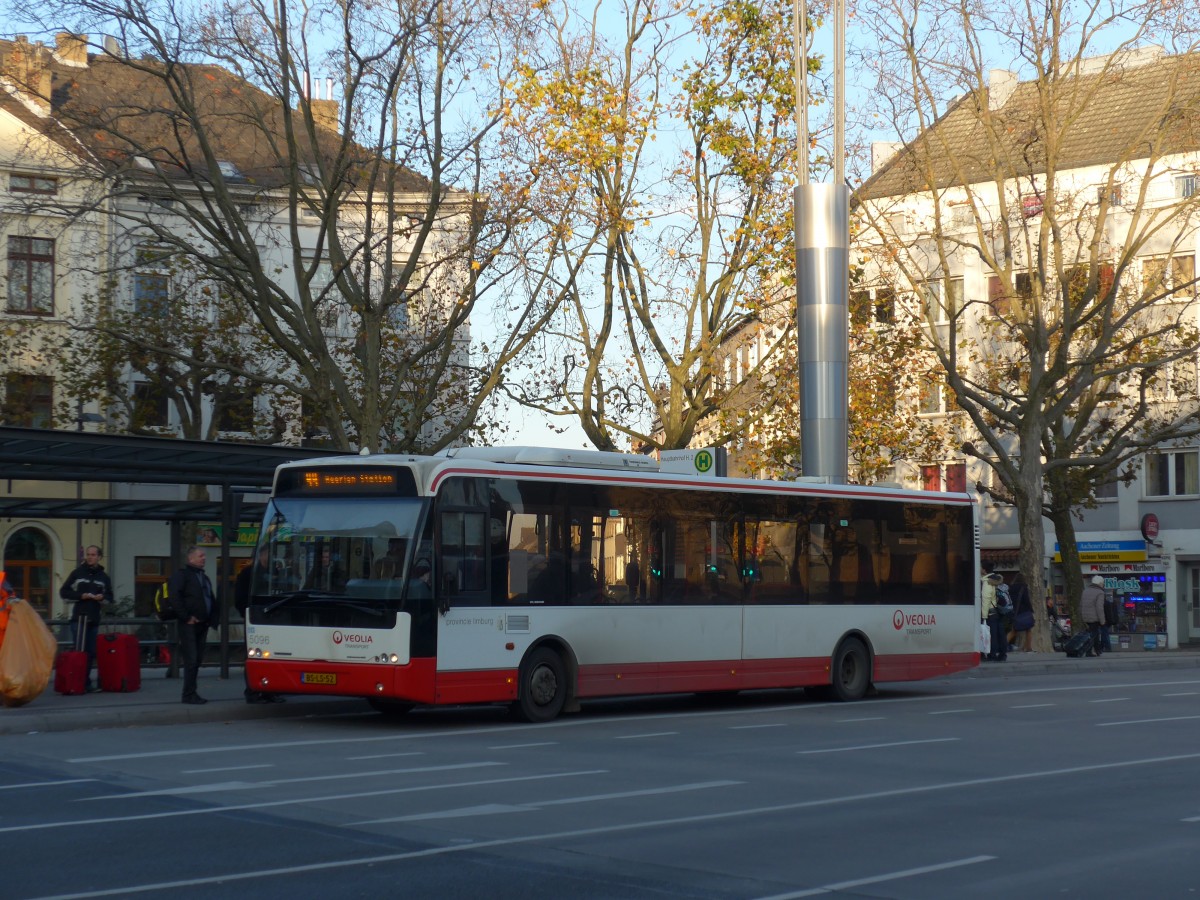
[
  {"x": 362, "y": 232},
  {"x": 1060, "y": 179},
  {"x": 669, "y": 133}
]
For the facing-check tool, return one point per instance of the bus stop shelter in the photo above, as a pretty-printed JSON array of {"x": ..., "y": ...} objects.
[{"x": 243, "y": 474}]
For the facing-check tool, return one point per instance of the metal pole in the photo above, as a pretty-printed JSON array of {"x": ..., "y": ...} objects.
[
  {"x": 822, "y": 223},
  {"x": 800, "y": 42},
  {"x": 839, "y": 91}
]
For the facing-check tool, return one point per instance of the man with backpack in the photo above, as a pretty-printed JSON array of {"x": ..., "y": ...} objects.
[{"x": 997, "y": 615}]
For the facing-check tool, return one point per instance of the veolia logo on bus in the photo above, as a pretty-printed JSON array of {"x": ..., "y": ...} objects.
[
  {"x": 338, "y": 638},
  {"x": 917, "y": 623}
]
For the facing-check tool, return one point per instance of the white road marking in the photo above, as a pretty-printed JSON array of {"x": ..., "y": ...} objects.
[
  {"x": 865, "y": 719},
  {"x": 524, "y": 746},
  {"x": 298, "y": 801},
  {"x": 1183, "y": 694},
  {"x": 950, "y": 712},
  {"x": 877, "y": 879},
  {"x": 1033, "y": 706},
  {"x": 560, "y": 835},
  {"x": 576, "y": 722},
  {"x": 38, "y": 784},
  {"x": 493, "y": 808},
  {"x": 876, "y": 746},
  {"x": 275, "y": 782},
  {"x": 748, "y": 727},
  {"x": 227, "y": 769},
  {"x": 383, "y": 756},
  {"x": 1109, "y": 700},
  {"x": 1146, "y": 721},
  {"x": 634, "y": 737}
]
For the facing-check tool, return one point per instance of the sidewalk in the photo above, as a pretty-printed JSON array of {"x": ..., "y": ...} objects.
[
  {"x": 158, "y": 702},
  {"x": 1020, "y": 663}
]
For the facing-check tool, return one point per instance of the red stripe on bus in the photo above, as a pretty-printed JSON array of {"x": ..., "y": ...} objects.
[
  {"x": 419, "y": 682},
  {"x": 414, "y": 681}
]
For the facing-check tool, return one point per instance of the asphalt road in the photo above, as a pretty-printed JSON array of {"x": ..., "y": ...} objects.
[{"x": 1031, "y": 787}]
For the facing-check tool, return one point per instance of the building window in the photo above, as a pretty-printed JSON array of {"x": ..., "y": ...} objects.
[
  {"x": 27, "y": 567},
  {"x": 151, "y": 280},
  {"x": 31, "y": 276},
  {"x": 938, "y": 310},
  {"x": 32, "y": 184},
  {"x": 1114, "y": 194},
  {"x": 878, "y": 306},
  {"x": 151, "y": 408},
  {"x": 1000, "y": 299},
  {"x": 956, "y": 477},
  {"x": 28, "y": 400},
  {"x": 236, "y": 410},
  {"x": 931, "y": 478},
  {"x": 1169, "y": 274},
  {"x": 1185, "y": 186},
  {"x": 1173, "y": 474},
  {"x": 932, "y": 395},
  {"x": 1107, "y": 490}
]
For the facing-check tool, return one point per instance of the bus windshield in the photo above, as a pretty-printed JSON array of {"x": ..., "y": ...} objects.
[{"x": 335, "y": 550}]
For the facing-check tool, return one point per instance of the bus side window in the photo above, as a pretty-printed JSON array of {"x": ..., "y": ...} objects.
[{"x": 463, "y": 566}]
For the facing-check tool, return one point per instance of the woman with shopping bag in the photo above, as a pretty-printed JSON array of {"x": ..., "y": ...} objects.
[{"x": 27, "y": 650}]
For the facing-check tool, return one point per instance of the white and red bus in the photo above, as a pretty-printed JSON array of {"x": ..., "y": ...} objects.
[{"x": 544, "y": 577}]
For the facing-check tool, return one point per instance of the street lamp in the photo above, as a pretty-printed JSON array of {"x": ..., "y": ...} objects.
[{"x": 822, "y": 223}]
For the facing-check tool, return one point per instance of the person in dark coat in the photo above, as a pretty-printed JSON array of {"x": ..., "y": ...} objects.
[
  {"x": 89, "y": 588},
  {"x": 196, "y": 608},
  {"x": 1091, "y": 608},
  {"x": 241, "y": 599},
  {"x": 1023, "y": 618}
]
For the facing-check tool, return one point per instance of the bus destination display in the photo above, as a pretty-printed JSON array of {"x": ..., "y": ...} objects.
[{"x": 342, "y": 481}]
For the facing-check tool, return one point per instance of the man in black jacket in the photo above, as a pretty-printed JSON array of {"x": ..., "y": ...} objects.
[
  {"x": 88, "y": 587},
  {"x": 195, "y": 603}
]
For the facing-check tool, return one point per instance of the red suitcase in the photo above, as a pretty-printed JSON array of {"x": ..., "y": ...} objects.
[
  {"x": 118, "y": 662},
  {"x": 70, "y": 669}
]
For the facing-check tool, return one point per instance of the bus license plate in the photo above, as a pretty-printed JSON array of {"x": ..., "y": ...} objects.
[{"x": 318, "y": 678}]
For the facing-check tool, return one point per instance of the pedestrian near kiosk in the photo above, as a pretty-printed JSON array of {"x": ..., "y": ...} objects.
[
  {"x": 191, "y": 596},
  {"x": 89, "y": 588},
  {"x": 1023, "y": 618},
  {"x": 1091, "y": 609},
  {"x": 997, "y": 619}
]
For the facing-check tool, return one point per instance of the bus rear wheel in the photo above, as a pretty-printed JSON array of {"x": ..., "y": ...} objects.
[
  {"x": 390, "y": 707},
  {"x": 851, "y": 671},
  {"x": 541, "y": 686}
]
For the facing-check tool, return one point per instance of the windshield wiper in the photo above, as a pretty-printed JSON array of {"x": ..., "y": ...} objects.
[{"x": 306, "y": 595}]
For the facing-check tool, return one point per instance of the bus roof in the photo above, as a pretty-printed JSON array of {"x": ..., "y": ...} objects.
[{"x": 600, "y": 467}]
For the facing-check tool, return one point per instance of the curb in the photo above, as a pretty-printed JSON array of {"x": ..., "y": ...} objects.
[{"x": 24, "y": 720}]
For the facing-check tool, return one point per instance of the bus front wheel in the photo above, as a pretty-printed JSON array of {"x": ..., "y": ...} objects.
[
  {"x": 851, "y": 670},
  {"x": 542, "y": 686}
]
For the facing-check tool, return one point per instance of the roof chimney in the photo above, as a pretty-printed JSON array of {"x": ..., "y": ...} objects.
[
  {"x": 26, "y": 67},
  {"x": 882, "y": 153},
  {"x": 1001, "y": 84},
  {"x": 71, "y": 49},
  {"x": 325, "y": 113}
]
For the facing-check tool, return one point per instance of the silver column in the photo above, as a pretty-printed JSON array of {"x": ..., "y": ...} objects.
[{"x": 822, "y": 327}]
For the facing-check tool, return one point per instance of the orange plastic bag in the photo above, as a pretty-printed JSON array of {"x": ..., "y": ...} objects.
[{"x": 26, "y": 656}]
